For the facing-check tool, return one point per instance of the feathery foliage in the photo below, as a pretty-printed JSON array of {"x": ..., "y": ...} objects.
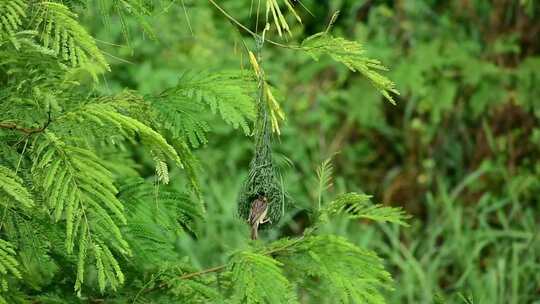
[
  {"x": 353, "y": 205},
  {"x": 324, "y": 178},
  {"x": 227, "y": 93},
  {"x": 327, "y": 263},
  {"x": 351, "y": 54},
  {"x": 259, "y": 279},
  {"x": 8, "y": 266},
  {"x": 80, "y": 191},
  {"x": 156, "y": 219},
  {"x": 52, "y": 29},
  {"x": 60, "y": 32},
  {"x": 12, "y": 14},
  {"x": 359, "y": 206},
  {"x": 81, "y": 220},
  {"x": 105, "y": 115},
  {"x": 35, "y": 241},
  {"x": 140, "y": 10},
  {"x": 13, "y": 187}
]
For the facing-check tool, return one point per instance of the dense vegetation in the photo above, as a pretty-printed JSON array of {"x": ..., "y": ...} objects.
[{"x": 133, "y": 133}]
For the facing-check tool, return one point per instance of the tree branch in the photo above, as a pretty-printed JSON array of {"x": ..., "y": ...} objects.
[
  {"x": 198, "y": 273},
  {"x": 223, "y": 266},
  {"x": 27, "y": 131}
]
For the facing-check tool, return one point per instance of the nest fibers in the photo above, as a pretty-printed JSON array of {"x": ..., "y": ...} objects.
[{"x": 262, "y": 179}]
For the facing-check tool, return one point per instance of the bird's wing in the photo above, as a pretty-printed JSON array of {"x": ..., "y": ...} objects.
[{"x": 257, "y": 209}]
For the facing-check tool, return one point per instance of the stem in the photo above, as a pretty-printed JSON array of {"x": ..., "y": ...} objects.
[
  {"x": 223, "y": 266},
  {"x": 232, "y": 19},
  {"x": 12, "y": 126},
  {"x": 198, "y": 273},
  {"x": 187, "y": 276},
  {"x": 27, "y": 131}
]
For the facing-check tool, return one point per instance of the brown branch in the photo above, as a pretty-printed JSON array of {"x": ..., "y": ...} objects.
[
  {"x": 198, "y": 273},
  {"x": 188, "y": 276},
  {"x": 223, "y": 266},
  {"x": 27, "y": 131},
  {"x": 12, "y": 126}
]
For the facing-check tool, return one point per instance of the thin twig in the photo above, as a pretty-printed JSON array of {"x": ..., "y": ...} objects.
[
  {"x": 198, "y": 273},
  {"x": 28, "y": 131},
  {"x": 187, "y": 18},
  {"x": 223, "y": 266},
  {"x": 186, "y": 276},
  {"x": 231, "y": 18}
]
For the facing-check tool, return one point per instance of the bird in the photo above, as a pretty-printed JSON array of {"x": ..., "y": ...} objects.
[{"x": 257, "y": 215}]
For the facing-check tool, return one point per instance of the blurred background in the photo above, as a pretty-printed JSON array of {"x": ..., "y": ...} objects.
[{"x": 460, "y": 151}]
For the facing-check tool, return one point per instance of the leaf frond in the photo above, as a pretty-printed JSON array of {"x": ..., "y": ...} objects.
[
  {"x": 359, "y": 206},
  {"x": 60, "y": 32},
  {"x": 331, "y": 264},
  {"x": 225, "y": 93},
  {"x": 12, "y": 185},
  {"x": 80, "y": 191},
  {"x": 351, "y": 54},
  {"x": 259, "y": 279}
]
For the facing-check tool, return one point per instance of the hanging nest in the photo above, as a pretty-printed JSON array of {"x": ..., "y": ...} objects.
[{"x": 262, "y": 179}]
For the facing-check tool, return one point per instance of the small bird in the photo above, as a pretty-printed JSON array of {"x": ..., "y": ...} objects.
[{"x": 257, "y": 215}]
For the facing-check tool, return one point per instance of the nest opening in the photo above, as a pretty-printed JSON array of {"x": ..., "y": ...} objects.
[{"x": 255, "y": 196}]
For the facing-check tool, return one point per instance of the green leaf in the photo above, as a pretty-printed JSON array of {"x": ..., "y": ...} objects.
[
  {"x": 359, "y": 206},
  {"x": 333, "y": 265},
  {"x": 61, "y": 32},
  {"x": 351, "y": 54},
  {"x": 13, "y": 186},
  {"x": 259, "y": 279},
  {"x": 228, "y": 94},
  {"x": 156, "y": 218},
  {"x": 8, "y": 263},
  {"x": 79, "y": 190},
  {"x": 12, "y": 14}
]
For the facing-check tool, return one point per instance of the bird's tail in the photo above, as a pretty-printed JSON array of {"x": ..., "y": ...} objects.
[{"x": 254, "y": 234}]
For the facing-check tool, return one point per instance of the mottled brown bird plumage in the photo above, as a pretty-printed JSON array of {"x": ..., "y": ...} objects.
[{"x": 257, "y": 215}]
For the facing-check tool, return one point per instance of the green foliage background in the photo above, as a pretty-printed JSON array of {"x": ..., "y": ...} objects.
[{"x": 460, "y": 150}]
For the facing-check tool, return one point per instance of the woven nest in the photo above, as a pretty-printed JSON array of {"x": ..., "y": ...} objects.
[{"x": 262, "y": 179}]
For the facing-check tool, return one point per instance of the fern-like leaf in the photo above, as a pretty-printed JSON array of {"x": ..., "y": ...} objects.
[
  {"x": 162, "y": 171},
  {"x": 12, "y": 185},
  {"x": 63, "y": 34},
  {"x": 351, "y": 54},
  {"x": 135, "y": 8},
  {"x": 12, "y": 14},
  {"x": 359, "y": 206},
  {"x": 196, "y": 289},
  {"x": 324, "y": 178},
  {"x": 105, "y": 115},
  {"x": 347, "y": 273},
  {"x": 156, "y": 218},
  {"x": 226, "y": 93},
  {"x": 80, "y": 191},
  {"x": 184, "y": 118},
  {"x": 8, "y": 265},
  {"x": 259, "y": 279},
  {"x": 32, "y": 237}
]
